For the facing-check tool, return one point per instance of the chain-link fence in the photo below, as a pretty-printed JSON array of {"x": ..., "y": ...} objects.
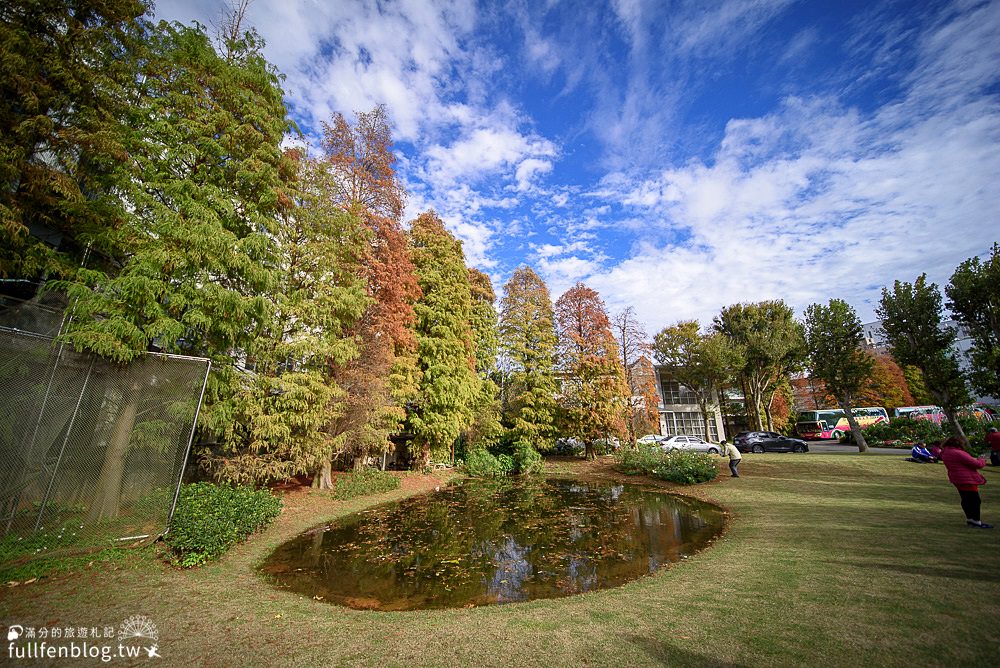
[{"x": 91, "y": 452}]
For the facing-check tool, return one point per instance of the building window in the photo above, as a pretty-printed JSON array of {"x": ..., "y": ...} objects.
[
  {"x": 675, "y": 393},
  {"x": 691, "y": 424}
]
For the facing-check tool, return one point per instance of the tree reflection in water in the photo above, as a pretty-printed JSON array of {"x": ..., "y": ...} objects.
[{"x": 487, "y": 542}]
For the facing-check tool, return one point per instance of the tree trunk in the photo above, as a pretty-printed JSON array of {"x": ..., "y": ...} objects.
[
  {"x": 856, "y": 432},
  {"x": 956, "y": 426},
  {"x": 423, "y": 459},
  {"x": 704, "y": 417},
  {"x": 323, "y": 478},
  {"x": 107, "y": 498},
  {"x": 767, "y": 412}
]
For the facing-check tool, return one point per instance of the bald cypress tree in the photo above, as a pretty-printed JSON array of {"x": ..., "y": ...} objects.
[
  {"x": 448, "y": 387},
  {"x": 68, "y": 79},
  {"x": 528, "y": 359},
  {"x": 485, "y": 429},
  {"x": 595, "y": 397}
]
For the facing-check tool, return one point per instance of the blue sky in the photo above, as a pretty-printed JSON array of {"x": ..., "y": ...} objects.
[{"x": 675, "y": 156}]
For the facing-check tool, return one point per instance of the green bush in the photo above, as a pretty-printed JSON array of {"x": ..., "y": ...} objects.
[
  {"x": 481, "y": 463},
  {"x": 975, "y": 431},
  {"x": 364, "y": 482},
  {"x": 903, "y": 431},
  {"x": 686, "y": 468},
  {"x": 527, "y": 460},
  {"x": 210, "y": 519}
]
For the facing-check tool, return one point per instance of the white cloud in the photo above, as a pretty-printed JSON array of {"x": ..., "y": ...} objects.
[
  {"x": 484, "y": 151},
  {"x": 528, "y": 170}
]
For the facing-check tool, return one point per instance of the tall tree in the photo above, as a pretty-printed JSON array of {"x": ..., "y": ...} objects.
[
  {"x": 595, "y": 397},
  {"x": 68, "y": 77},
  {"x": 384, "y": 376},
  {"x": 974, "y": 298},
  {"x": 449, "y": 385},
  {"x": 834, "y": 340},
  {"x": 486, "y": 428},
  {"x": 528, "y": 357},
  {"x": 916, "y": 385},
  {"x": 188, "y": 263},
  {"x": 771, "y": 345},
  {"x": 634, "y": 349},
  {"x": 703, "y": 363},
  {"x": 283, "y": 414},
  {"x": 911, "y": 320},
  {"x": 887, "y": 386}
]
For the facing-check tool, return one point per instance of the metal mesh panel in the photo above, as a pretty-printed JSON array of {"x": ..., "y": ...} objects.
[{"x": 91, "y": 452}]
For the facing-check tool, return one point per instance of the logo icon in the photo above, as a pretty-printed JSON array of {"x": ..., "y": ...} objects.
[
  {"x": 14, "y": 631},
  {"x": 142, "y": 629},
  {"x": 138, "y": 627}
]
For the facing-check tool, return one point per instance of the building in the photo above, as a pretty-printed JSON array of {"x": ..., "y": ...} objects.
[{"x": 679, "y": 411}]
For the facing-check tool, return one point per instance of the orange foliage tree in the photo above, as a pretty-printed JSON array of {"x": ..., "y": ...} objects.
[
  {"x": 888, "y": 387},
  {"x": 384, "y": 374},
  {"x": 595, "y": 396},
  {"x": 634, "y": 350}
]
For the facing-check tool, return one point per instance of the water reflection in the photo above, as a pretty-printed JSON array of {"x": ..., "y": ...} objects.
[{"x": 484, "y": 542}]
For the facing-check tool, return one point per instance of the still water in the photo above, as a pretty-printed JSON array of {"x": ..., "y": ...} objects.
[{"x": 487, "y": 542}]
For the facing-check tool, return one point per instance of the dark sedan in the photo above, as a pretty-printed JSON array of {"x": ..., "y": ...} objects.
[{"x": 767, "y": 441}]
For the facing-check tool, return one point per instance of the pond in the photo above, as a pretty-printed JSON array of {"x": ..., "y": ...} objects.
[{"x": 487, "y": 542}]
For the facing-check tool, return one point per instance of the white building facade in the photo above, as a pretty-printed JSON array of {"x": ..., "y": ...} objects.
[{"x": 680, "y": 414}]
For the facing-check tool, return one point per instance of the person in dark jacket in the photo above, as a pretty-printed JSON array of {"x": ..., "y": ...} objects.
[{"x": 963, "y": 472}]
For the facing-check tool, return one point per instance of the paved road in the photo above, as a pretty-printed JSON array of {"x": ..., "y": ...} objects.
[{"x": 833, "y": 447}]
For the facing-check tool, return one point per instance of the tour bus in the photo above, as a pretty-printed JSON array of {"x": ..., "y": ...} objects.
[
  {"x": 832, "y": 423},
  {"x": 933, "y": 414}
]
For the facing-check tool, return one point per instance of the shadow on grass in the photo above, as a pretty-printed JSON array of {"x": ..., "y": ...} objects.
[
  {"x": 666, "y": 654},
  {"x": 950, "y": 571}
]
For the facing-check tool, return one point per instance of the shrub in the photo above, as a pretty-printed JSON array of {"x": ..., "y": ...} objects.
[
  {"x": 903, "y": 431},
  {"x": 210, "y": 519},
  {"x": 975, "y": 431},
  {"x": 363, "y": 483},
  {"x": 505, "y": 465},
  {"x": 479, "y": 463},
  {"x": 527, "y": 460},
  {"x": 687, "y": 468}
]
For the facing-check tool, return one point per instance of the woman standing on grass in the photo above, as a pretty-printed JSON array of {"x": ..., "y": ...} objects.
[{"x": 963, "y": 472}]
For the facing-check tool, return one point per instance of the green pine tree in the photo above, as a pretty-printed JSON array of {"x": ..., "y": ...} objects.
[
  {"x": 283, "y": 412},
  {"x": 449, "y": 386},
  {"x": 528, "y": 358}
]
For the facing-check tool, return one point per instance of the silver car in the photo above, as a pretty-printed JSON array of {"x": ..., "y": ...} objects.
[{"x": 690, "y": 443}]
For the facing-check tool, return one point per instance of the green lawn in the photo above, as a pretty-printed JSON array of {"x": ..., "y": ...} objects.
[{"x": 828, "y": 560}]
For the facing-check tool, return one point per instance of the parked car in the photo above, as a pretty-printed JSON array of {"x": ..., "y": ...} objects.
[
  {"x": 649, "y": 439},
  {"x": 567, "y": 446},
  {"x": 603, "y": 446},
  {"x": 690, "y": 443},
  {"x": 767, "y": 441}
]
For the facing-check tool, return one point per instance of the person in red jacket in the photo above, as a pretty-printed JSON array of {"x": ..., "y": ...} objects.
[
  {"x": 993, "y": 440},
  {"x": 963, "y": 472}
]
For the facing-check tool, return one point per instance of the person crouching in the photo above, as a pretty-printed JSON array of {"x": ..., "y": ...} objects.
[{"x": 735, "y": 458}]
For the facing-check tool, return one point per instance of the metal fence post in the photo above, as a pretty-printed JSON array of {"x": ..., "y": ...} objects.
[
  {"x": 62, "y": 448},
  {"x": 194, "y": 425}
]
